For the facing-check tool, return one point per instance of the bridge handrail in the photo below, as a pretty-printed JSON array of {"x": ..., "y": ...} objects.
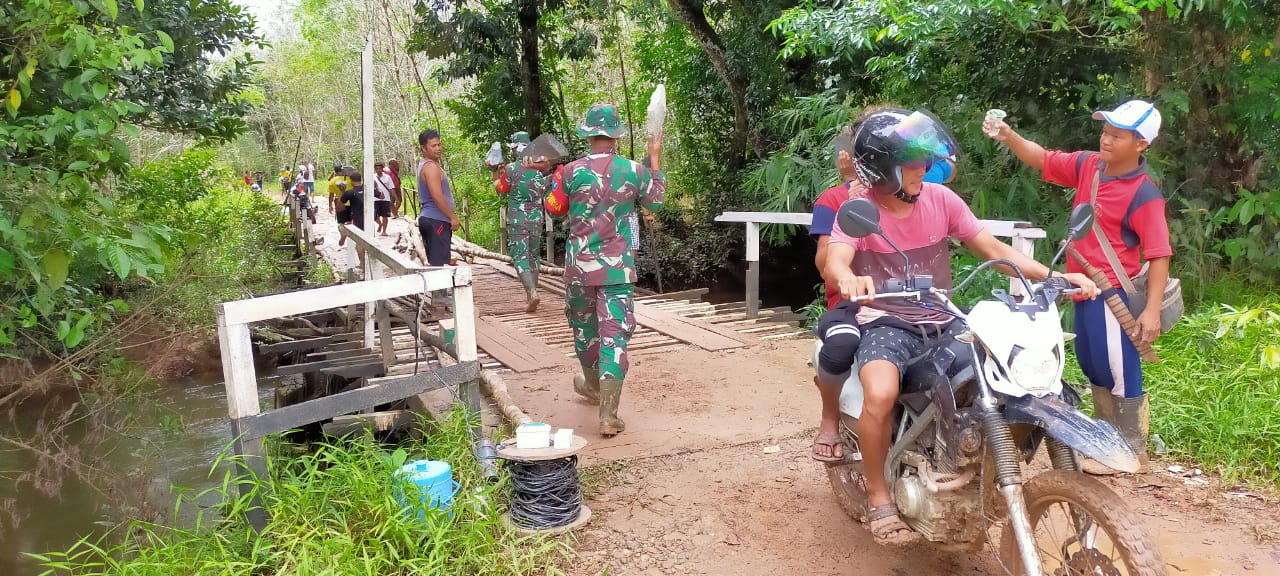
[{"x": 1022, "y": 234}]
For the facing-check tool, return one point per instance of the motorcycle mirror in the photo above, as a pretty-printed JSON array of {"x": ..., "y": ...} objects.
[
  {"x": 1081, "y": 222},
  {"x": 1077, "y": 227},
  {"x": 858, "y": 218}
]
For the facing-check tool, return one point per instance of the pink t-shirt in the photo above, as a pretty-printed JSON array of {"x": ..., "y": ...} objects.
[{"x": 937, "y": 216}]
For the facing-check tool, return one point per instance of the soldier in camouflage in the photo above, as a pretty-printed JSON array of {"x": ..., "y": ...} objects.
[
  {"x": 599, "y": 192},
  {"x": 524, "y": 185}
]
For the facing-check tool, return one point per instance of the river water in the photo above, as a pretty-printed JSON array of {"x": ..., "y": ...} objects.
[{"x": 172, "y": 436}]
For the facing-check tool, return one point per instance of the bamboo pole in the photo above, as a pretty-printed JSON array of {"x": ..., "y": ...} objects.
[
  {"x": 493, "y": 385},
  {"x": 1111, "y": 296}
]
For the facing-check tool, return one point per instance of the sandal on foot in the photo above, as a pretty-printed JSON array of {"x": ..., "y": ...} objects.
[
  {"x": 834, "y": 444},
  {"x": 887, "y": 528}
]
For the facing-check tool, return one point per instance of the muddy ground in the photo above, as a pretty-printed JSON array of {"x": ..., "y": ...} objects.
[{"x": 713, "y": 476}]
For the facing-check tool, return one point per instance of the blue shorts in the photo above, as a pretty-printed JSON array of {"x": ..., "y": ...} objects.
[{"x": 1105, "y": 353}]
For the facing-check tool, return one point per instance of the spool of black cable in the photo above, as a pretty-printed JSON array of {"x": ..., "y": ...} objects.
[{"x": 546, "y": 494}]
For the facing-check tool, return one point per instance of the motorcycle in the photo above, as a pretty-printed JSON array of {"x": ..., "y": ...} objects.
[{"x": 974, "y": 410}]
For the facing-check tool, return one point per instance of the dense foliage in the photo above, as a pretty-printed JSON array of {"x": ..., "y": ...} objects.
[{"x": 80, "y": 79}]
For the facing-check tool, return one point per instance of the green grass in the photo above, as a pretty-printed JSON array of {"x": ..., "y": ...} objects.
[
  {"x": 1215, "y": 395},
  {"x": 334, "y": 512}
]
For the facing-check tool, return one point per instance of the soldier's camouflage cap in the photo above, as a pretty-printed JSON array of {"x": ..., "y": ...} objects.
[
  {"x": 602, "y": 120},
  {"x": 520, "y": 137}
]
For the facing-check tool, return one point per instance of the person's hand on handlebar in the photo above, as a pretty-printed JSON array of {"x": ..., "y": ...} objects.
[
  {"x": 852, "y": 286},
  {"x": 1087, "y": 288}
]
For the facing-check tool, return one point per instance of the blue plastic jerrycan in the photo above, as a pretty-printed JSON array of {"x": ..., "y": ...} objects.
[{"x": 430, "y": 484}]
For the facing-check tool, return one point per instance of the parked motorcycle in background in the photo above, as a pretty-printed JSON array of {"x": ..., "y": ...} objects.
[{"x": 974, "y": 410}]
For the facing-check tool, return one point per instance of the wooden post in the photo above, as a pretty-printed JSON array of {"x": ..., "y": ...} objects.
[
  {"x": 466, "y": 220},
  {"x": 753, "y": 269},
  {"x": 372, "y": 271},
  {"x": 464, "y": 339},
  {"x": 1026, "y": 246},
  {"x": 242, "y": 401}
]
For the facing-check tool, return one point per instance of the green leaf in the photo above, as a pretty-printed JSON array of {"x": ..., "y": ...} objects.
[
  {"x": 78, "y": 166},
  {"x": 102, "y": 155},
  {"x": 99, "y": 90},
  {"x": 131, "y": 130},
  {"x": 139, "y": 4},
  {"x": 120, "y": 260},
  {"x": 56, "y": 264},
  {"x": 166, "y": 40},
  {"x": 15, "y": 99},
  {"x": 6, "y": 263},
  {"x": 111, "y": 8}
]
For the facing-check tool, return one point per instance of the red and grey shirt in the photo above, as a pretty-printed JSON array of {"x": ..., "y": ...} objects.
[{"x": 1130, "y": 210}]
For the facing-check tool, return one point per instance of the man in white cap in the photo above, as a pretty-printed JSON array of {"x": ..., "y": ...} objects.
[{"x": 1131, "y": 227}]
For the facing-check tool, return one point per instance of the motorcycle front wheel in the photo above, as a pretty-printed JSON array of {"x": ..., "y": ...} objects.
[{"x": 1081, "y": 528}]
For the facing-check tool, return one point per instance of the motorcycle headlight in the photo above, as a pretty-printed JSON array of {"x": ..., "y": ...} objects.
[{"x": 1034, "y": 370}]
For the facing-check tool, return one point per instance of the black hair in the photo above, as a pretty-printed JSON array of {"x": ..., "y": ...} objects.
[
  {"x": 355, "y": 177},
  {"x": 428, "y": 135}
]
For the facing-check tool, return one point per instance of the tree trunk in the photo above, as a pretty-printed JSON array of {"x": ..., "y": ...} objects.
[
  {"x": 691, "y": 13},
  {"x": 530, "y": 76}
]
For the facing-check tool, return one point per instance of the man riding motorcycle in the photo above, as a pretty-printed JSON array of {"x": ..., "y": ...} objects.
[{"x": 892, "y": 150}]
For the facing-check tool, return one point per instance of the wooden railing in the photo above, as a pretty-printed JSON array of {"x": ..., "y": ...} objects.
[
  {"x": 250, "y": 424},
  {"x": 1022, "y": 234}
]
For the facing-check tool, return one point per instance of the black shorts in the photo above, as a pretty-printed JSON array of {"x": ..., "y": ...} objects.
[
  {"x": 437, "y": 235},
  {"x": 344, "y": 216},
  {"x": 382, "y": 208},
  {"x": 899, "y": 345}
]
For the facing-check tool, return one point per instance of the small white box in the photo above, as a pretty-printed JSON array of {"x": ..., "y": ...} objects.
[
  {"x": 533, "y": 435},
  {"x": 563, "y": 438}
]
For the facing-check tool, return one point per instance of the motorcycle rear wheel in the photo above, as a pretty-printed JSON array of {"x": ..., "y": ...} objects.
[
  {"x": 846, "y": 476},
  {"x": 1055, "y": 501}
]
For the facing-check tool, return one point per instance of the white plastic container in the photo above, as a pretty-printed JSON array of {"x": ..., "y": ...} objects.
[
  {"x": 563, "y": 438},
  {"x": 533, "y": 435}
]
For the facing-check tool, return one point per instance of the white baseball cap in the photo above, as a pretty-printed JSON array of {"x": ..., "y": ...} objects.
[{"x": 1137, "y": 115}]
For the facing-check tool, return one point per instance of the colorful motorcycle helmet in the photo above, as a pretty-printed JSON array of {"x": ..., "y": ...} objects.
[{"x": 890, "y": 139}]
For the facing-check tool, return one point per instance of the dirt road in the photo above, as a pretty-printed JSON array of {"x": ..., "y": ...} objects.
[{"x": 691, "y": 489}]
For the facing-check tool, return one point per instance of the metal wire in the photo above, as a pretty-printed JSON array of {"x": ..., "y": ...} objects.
[{"x": 546, "y": 493}]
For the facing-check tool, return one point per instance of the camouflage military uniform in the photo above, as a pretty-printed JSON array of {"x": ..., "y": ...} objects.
[
  {"x": 602, "y": 190},
  {"x": 524, "y": 189}
]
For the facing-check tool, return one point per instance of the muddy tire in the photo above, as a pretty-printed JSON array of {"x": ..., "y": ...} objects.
[
  {"x": 1132, "y": 549},
  {"x": 846, "y": 477}
]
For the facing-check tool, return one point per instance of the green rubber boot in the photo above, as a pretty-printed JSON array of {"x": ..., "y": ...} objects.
[
  {"x": 610, "y": 397},
  {"x": 530, "y": 282},
  {"x": 1104, "y": 408},
  {"x": 587, "y": 385},
  {"x": 1133, "y": 418}
]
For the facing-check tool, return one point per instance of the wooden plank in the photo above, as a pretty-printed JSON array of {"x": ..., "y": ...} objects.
[
  {"x": 696, "y": 333},
  {"x": 296, "y": 345},
  {"x": 694, "y": 294},
  {"x": 317, "y": 366},
  {"x": 365, "y": 370},
  {"x": 337, "y": 354},
  {"x": 378, "y": 391},
  {"x": 376, "y": 421},
  {"x": 1003, "y": 228},
  {"x": 800, "y": 218},
  {"x": 517, "y": 351},
  {"x": 302, "y": 301}
]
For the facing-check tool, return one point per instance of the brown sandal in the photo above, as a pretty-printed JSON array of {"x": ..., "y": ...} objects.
[
  {"x": 887, "y": 528},
  {"x": 831, "y": 441}
]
